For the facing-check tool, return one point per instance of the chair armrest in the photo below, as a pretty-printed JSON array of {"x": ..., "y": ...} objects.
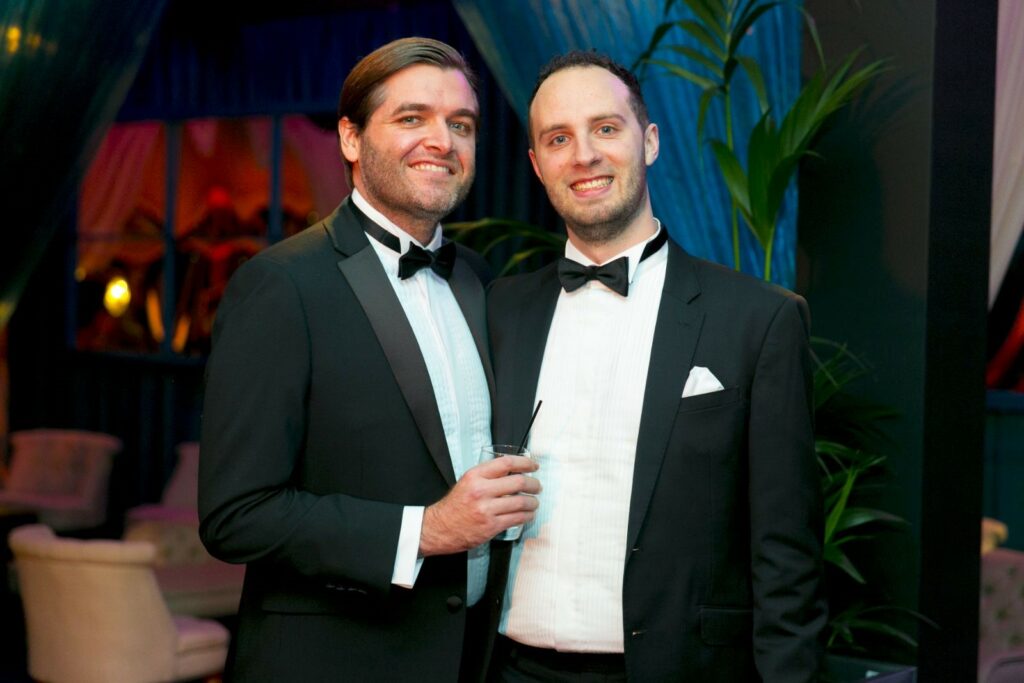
[
  {"x": 162, "y": 513},
  {"x": 177, "y": 543}
]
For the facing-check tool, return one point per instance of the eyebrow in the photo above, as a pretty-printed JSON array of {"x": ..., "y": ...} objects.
[
  {"x": 418, "y": 106},
  {"x": 593, "y": 119}
]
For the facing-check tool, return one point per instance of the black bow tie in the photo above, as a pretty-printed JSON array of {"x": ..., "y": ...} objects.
[
  {"x": 614, "y": 274},
  {"x": 441, "y": 261}
]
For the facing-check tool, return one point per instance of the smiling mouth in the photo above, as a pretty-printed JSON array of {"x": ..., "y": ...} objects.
[
  {"x": 591, "y": 184},
  {"x": 428, "y": 167}
]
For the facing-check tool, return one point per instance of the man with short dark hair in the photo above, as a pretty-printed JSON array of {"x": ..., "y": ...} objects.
[
  {"x": 678, "y": 536},
  {"x": 347, "y": 403}
]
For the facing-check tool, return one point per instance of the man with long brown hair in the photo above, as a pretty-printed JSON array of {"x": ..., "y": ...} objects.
[{"x": 348, "y": 401}]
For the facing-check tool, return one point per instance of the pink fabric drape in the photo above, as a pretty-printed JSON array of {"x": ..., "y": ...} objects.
[
  {"x": 124, "y": 181},
  {"x": 318, "y": 163},
  {"x": 122, "y": 205}
]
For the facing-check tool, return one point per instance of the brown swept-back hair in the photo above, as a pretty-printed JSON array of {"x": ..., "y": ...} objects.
[
  {"x": 363, "y": 92},
  {"x": 581, "y": 58}
]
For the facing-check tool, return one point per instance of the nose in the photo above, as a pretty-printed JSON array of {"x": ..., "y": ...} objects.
[
  {"x": 585, "y": 153},
  {"x": 439, "y": 137}
]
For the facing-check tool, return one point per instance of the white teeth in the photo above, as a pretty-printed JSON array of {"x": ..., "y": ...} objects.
[
  {"x": 433, "y": 168},
  {"x": 592, "y": 184}
]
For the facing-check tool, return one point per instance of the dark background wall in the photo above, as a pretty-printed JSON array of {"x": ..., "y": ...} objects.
[
  {"x": 206, "y": 60},
  {"x": 893, "y": 259},
  {"x": 894, "y": 233}
]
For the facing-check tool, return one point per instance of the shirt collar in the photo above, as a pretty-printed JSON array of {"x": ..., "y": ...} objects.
[
  {"x": 404, "y": 238},
  {"x": 633, "y": 253}
]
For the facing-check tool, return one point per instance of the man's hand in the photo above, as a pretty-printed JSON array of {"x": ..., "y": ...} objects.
[{"x": 480, "y": 506}]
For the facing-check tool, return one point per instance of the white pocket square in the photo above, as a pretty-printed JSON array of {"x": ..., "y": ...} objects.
[{"x": 701, "y": 381}]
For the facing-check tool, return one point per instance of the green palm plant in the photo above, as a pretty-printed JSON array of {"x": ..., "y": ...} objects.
[
  {"x": 846, "y": 430},
  {"x": 774, "y": 150},
  {"x": 487, "y": 234}
]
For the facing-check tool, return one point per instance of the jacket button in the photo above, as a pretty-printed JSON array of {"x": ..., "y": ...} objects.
[
  {"x": 454, "y": 603},
  {"x": 635, "y": 550},
  {"x": 638, "y": 633}
]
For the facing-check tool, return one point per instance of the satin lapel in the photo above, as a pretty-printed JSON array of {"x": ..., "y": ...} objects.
[
  {"x": 367, "y": 279},
  {"x": 531, "y": 337},
  {"x": 675, "y": 340},
  {"x": 469, "y": 293}
]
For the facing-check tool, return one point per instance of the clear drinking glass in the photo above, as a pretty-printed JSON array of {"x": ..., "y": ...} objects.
[{"x": 496, "y": 451}]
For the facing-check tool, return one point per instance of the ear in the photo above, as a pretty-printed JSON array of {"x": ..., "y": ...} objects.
[
  {"x": 536, "y": 169},
  {"x": 651, "y": 144},
  {"x": 348, "y": 136}
]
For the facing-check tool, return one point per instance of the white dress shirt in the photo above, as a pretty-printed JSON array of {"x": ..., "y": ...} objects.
[
  {"x": 565, "y": 579},
  {"x": 457, "y": 377}
]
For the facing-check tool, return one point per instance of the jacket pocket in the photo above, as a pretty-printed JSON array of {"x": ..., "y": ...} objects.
[
  {"x": 726, "y": 625},
  {"x": 710, "y": 400},
  {"x": 329, "y": 599}
]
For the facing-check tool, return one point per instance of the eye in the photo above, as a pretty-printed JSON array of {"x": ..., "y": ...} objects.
[
  {"x": 461, "y": 127},
  {"x": 410, "y": 120},
  {"x": 606, "y": 129},
  {"x": 559, "y": 139}
]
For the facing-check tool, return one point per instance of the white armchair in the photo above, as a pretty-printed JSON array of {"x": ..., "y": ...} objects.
[
  {"x": 93, "y": 613},
  {"x": 61, "y": 475}
]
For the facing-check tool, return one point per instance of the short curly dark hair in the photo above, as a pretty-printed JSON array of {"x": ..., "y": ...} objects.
[{"x": 581, "y": 58}]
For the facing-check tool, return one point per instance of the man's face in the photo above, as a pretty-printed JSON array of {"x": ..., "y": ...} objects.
[
  {"x": 590, "y": 152},
  {"x": 415, "y": 158}
]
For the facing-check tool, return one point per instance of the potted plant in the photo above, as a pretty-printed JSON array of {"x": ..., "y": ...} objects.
[{"x": 711, "y": 59}]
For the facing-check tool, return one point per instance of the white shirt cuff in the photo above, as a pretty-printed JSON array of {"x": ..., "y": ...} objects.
[{"x": 407, "y": 560}]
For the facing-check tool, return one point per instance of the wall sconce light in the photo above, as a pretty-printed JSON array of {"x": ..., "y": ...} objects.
[{"x": 117, "y": 296}]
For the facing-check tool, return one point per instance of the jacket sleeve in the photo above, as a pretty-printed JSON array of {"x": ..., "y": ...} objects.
[
  {"x": 253, "y": 431},
  {"x": 785, "y": 504}
]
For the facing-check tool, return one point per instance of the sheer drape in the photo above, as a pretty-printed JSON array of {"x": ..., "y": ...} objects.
[
  {"x": 1008, "y": 156},
  {"x": 517, "y": 38},
  {"x": 64, "y": 70}
]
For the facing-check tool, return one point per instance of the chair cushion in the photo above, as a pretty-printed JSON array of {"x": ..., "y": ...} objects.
[
  {"x": 202, "y": 647},
  {"x": 210, "y": 589},
  {"x": 1002, "y": 667}
]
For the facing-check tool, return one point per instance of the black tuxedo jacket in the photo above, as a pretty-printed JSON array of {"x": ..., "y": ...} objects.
[
  {"x": 319, "y": 425},
  {"x": 723, "y": 561}
]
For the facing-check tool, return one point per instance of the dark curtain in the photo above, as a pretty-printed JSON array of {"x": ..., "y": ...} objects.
[
  {"x": 205, "y": 61},
  {"x": 64, "y": 70}
]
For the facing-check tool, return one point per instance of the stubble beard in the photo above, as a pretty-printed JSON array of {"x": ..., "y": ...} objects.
[
  {"x": 604, "y": 224},
  {"x": 387, "y": 183}
]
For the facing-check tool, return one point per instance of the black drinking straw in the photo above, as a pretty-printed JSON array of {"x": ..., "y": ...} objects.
[{"x": 522, "y": 444}]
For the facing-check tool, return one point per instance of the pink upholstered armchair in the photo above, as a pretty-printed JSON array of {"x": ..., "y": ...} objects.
[
  {"x": 94, "y": 614},
  {"x": 61, "y": 475},
  {"x": 191, "y": 580},
  {"x": 1001, "y": 627}
]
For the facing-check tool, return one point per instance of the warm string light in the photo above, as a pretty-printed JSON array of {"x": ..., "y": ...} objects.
[{"x": 15, "y": 40}]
